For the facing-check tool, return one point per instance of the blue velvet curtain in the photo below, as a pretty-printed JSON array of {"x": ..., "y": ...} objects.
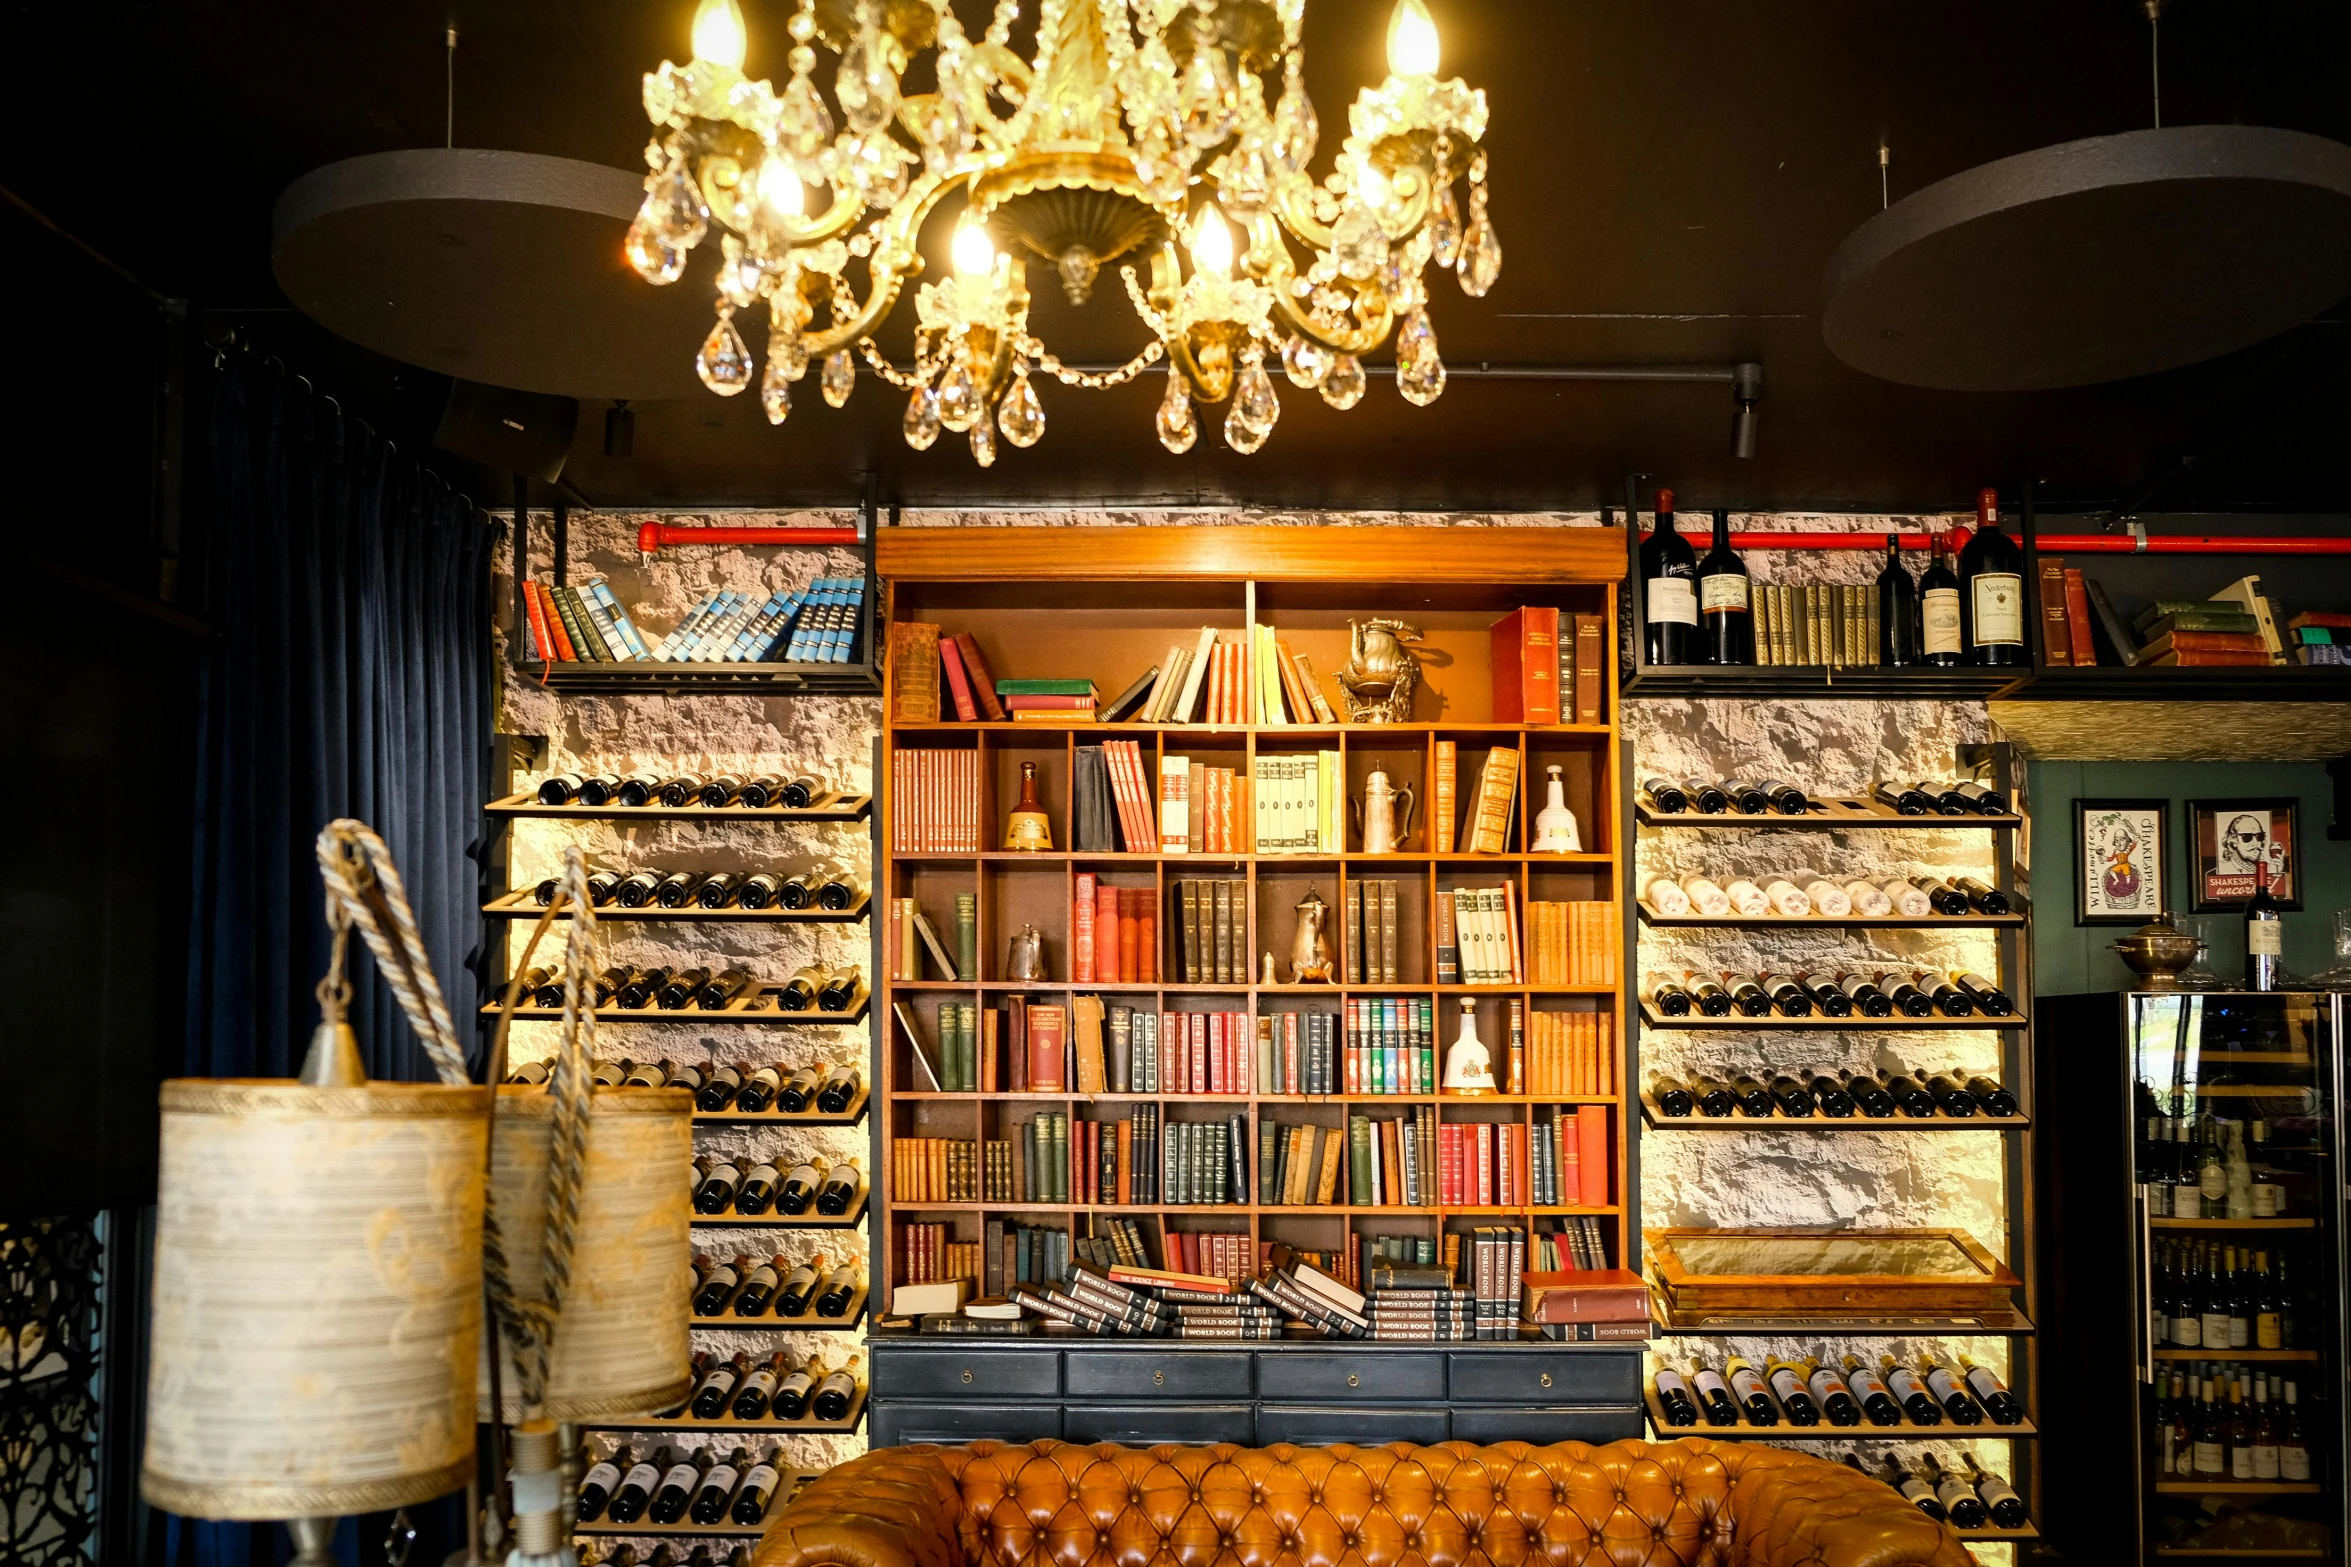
[{"x": 352, "y": 590}]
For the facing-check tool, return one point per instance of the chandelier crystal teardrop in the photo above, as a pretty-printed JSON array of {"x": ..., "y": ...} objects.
[{"x": 1084, "y": 154}]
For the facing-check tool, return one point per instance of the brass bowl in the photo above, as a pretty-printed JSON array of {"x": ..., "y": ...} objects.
[{"x": 2158, "y": 954}]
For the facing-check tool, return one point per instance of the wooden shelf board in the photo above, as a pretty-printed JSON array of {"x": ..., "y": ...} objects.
[
  {"x": 1591, "y": 857},
  {"x": 807, "y": 1425},
  {"x": 2253, "y": 1057},
  {"x": 2243, "y": 1553},
  {"x": 1908, "y": 1429},
  {"x": 1817, "y": 682},
  {"x": 2248, "y": 1090},
  {"x": 1836, "y": 812},
  {"x": 900, "y": 726},
  {"x": 1650, "y": 916},
  {"x": 784, "y": 1221},
  {"x": 639, "y": 676},
  {"x": 1242, "y": 1210},
  {"x": 1742, "y": 1122},
  {"x": 1852, "y": 1327},
  {"x": 2237, "y": 1354},
  {"x": 2238, "y": 1488},
  {"x": 1238, "y": 1100},
  {"x": 1166, "y": 988},
  {"x": 839, "y": 806},
  {"x": 849, "y": 1117},
  {"x": 1652, "y": 1018},
  {"x": 520, "y": 904},
  {"x": 1989, "y": 1535},
  {"x": 2234, "y": 1224},
  {"x": 2171, "y": 715},
  {"x": 806, "y": 1322},
  {"x": 734, "y": 1012}
]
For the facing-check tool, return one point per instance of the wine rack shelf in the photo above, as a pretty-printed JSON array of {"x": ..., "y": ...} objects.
[
  {"x": 1757, "y": 682},
  {"x": 1988, "y": 1535},
  {"x": 786, "y": 1221},
  {"x": 659, "y": 679},
  {"x": 2304, "y": 1355},
  {"x": 1161, "y": 988},
  {"x": 2234, "y": 1224},
  {"x": 788, "y": 1486},
  {"x": 1742, "y": 1122},
  {"x": 1855, "y": 1327},
  {"x": 1745, "y": 1431},
  {"x": 523, "y": 904},
  {"x": 1243, "y": 1210},
  {"x": 807, "y": 1322},
  {"x": 1237, "y": 1100},
  {"x": 2238, "y": 1488},
  {"x": 1652, "y": 1018},
  {"x": 1473, "y": 730},
  {"x": 849, "y": 1117},
  {"x": 836, "y": 807},
  {"x": 758, "y": 1007},
  {"x": 1303, "y": 862},
  {"x": 1834, "y": 813},
  {"x": 806, "y": 1425},
  {"x": 2241, "y": 1553},
  {"x": 1650, "y": 916}
]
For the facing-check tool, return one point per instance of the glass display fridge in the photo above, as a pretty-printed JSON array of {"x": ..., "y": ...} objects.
[{"x": 2188, "y": 1161}]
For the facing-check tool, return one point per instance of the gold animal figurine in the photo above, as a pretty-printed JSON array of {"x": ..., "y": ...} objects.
[{"x": 1377, "y": 681}]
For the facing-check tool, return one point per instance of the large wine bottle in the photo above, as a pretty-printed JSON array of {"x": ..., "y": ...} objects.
[
  {"x": 718, "y": 1488},
  {"x": 1669, "y": 591},
  {"x": 803, "y": 1184},
  {"x": 1938, "y": 609},
  {"x": 1991, "y": 591},
  {"x": 637, "y": 1483},
  {"x": 722, "y": 990},
  {"x": 1897, "y": 609},
  {"x": 839, "y": 1090},
  {"x": 759, "y": 1487},
  {"x": 597, "y": 1486},
  {"x": 838, "y": 1390},
  {"x": 839, "y": 991},
  {"x": 792, "y": 1296},
  {"x": 799, "y": 1090},
  {"x": 1727, "y": 627},
  {"x": 716, "y": 1286},
  {"x": 758, "y": 1389},
  {"x": 839, "y": 1189},
  {"x": 759, "y": 1090},
  {"x": 840, "y": 1287},
  {"x": 679, "y": 1485}
]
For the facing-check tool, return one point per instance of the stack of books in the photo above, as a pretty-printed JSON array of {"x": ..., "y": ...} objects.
[
  {"x": 1571, "y": 1156},
  {"x": 1831, "y": 624},
  {"x": 1306, "y": 1294},
  {"x": 1418, "y": 1301},
  {"x": 1548, "y": 668},
  {"x": 929, "y": 1255},
  {"x": 1259, "y": 680},
  {"x": 1297, "y": 1053},
  {"x": 1299, "y": 804},
  {"x": 1477, "y": 936},
  {"x": 2235, "y": 627},
  {"x": 1201, "y": 808},
  {"x": 1212, "y": 932},
  {"x": 2180, "y": 633},
  {"x": 914, "y": 938},
  {"x": 815, "y": 625},
  {"x": 1391, "y": 1045},
  {"x": 1489, "y": 824},
  {"x": 1598, "y": 1305},
  {"x": 1114, "y": 933},
  {"x": 1368, "y": 918},
  {"x": 1047, "y": 701},
  {"x": 1574, "y": 943},
  {"x": 1299, "y": 1166},
  {"x": 584, "y": 625},
  {"x": 935, "y": 802},
  {"x": 2321, "y": 637},
  {"x": 1571, "y": 1054},
  {"x": 1111, "y": 799}
]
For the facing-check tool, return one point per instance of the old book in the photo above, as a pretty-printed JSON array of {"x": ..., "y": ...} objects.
[
  {"x": 1448, "y": 942},
  {"x": 1220, "y": 916},
  {"x": 1175, "y": 803},
  {"x": 1128, "y": 701},
  {"x": 1444, "y": 807},
  {"x": 2077, "y": 620},
  {"x": 1085, "y": 1021},
  {"x": 1322, "y": 707},
  {"x": 924, "y": 1067},
  {"x": 1111, "y": 947},
  {"x": 967, "y": 937},
  {"x": 2122, "y": 646},
  {"x": 914, "y": 672},
  {"x": 1594, "y": 647},
  {"x": 2202, "y": 642},
  {"x": 2056, "y": 635},
  {"x": 1760, "y": 593},
  {"x": 1387, "y": 932},
  {"x": 2234, "y": 658},
  {"x": 1354, "y": 933},
  {"x": 1525, "y": 665},
  {"x": 931, "y": 944},
  {"x": 1293, "y": 689},
  {"x": 1084, "y": 958},
  {"x": 1497, "y": 794},
  {"x": 1332, "y": 1152},
  {"x": 958, "y": 683},
  {"x": 1048, "y": 1032},
  {"x": 2246, "y": 591}
]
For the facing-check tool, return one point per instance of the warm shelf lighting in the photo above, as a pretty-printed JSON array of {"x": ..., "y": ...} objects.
[
  {"x": 1412, "y": 40},
  {"x": 720, "y": 36}
]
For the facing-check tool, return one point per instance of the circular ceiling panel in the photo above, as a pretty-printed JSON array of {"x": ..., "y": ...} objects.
[
  {"x": 2096, "y": 260},
  {"x": 500, "y": 267}
]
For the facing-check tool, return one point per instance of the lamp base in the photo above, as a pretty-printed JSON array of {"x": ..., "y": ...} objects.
[{"x": 314, "y": 1540}]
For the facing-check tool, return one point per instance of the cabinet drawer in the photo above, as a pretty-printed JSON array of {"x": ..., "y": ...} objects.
[
  {"x": 1143, "y": 1425},
  {"x": 1381, "y": 1378},
  {"x": 1309, "y": 1426},
  {"x": 1546, "y": 1425},
  {"x": 1099, "y": 1374},
  {"x": 978, "y": 1373},
  {"x": 1546, "y": 1377},
  {"x": 899, "y": 1424}
]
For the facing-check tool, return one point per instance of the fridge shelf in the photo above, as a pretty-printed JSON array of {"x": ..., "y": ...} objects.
[
  {"x": 2237, "y": 1354},
  {"x": 2234, "y": 1224},
  {"x": 2238, "y": 1488}
]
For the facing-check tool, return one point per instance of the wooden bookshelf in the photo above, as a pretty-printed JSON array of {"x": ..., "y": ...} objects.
[{"x": 1107, "y": 606}]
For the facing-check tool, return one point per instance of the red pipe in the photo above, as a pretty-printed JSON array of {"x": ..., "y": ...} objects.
[
  {"x": 652, "y": 535},
  {"x": 1955, "y": 539},
  {"x": 2056, "y": 543}
]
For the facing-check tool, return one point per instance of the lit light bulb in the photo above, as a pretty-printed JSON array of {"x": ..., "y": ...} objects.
[
  {"x": 974, "y": 254},
  {"x": 1412, "y": 40},
  {"x": 780, "y": 191},
  {"x": 719, "y": 35},
  {"x": 1211, "y": 243}
]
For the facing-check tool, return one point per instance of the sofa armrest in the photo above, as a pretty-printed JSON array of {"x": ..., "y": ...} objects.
[
  {"x": 1805, "y": 1513},
  {"x": 896, "y": 1508}
]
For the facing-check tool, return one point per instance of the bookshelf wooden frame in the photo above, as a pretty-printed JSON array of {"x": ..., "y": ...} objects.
[{"x": 1127, "y": 593}]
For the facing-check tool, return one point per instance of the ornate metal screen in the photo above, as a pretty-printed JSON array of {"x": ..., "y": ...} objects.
[{"x": 50, "y": 1284}]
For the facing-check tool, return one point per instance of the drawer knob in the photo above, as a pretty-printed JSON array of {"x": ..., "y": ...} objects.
[
  {"x": 1546, "y": 1379},
  {"x": 967, "y": 1376},
  {"x": 1159, "y": 1379},
  {"x": 1353, "y": 1380}
]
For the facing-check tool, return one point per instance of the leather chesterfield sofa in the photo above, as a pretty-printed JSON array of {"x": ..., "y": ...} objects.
[{"x": 1054, "y": 1504}]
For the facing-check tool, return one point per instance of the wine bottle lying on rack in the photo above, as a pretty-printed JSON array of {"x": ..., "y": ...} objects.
[
  {"x": 1706, "y": 795},
  {"x": 681, "y": 791},
  {"x": 1665, "y": 796}
]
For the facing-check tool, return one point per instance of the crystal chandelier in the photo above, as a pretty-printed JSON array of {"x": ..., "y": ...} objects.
[{"x": 1082, "y": 156}]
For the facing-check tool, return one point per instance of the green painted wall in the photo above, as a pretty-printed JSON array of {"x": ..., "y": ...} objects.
[{"x": 2069, "y": 959}]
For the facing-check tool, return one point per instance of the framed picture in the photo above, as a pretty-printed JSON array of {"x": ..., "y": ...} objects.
[
  {"x": 2231, "y": 838},
  {"x": 2122, "y": 861}
]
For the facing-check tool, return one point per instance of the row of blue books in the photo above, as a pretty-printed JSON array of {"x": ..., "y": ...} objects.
[{"x": 815, "y": 626}]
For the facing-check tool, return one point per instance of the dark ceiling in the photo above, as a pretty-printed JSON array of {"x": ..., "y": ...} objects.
[{"x": 1671, "y": 177}]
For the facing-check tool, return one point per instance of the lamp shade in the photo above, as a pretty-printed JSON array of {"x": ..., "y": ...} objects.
[
  {"x": 318, "y": 1297},
  {"x": 621, "y": 1343}
]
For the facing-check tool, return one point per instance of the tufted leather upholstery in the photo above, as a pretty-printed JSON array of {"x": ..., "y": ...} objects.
[{"x": 1690, "y": 1503}]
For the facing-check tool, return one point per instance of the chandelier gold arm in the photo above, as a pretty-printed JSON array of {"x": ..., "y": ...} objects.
[
  {"x": 1268, "y": 261},
  {"x": 894, "y": 260},
  {"x": 1209, "y": 384},
  {"x": 721, "y": 179},
  {"x": 1294, "y": 200}
]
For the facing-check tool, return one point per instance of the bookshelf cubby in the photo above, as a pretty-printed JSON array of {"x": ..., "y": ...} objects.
[{"x": 1109, "y": 606}]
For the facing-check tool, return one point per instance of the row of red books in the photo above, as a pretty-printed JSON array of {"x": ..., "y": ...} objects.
[
  {"x": 1114, "y": 934},
  {"x": 935, "y": 802}
]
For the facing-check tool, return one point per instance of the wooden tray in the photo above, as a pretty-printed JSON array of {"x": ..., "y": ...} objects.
[{"x": 1932, "y": 1271}]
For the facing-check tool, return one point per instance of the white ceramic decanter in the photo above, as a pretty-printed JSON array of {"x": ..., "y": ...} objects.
[{"x": 1555, "y": 824}]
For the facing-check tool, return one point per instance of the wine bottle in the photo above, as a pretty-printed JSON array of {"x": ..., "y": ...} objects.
[
  {"x": 714, "y": 1191},
  {"x": 1714, "y": 1096},
  {"x": 647, "y": 1074},
  {"x": 1673, "y": 1396},
  {"x": 2264, "y": 933},
  {"x": 839, "y": 1190},
  {"x": 1938, "y": 608},
  {"x": 1869, "y": 1095},
  {"x": 676, "y": 890},
  {"x": 718, "y": 889},
  {"x": 1910, "y": 1095},
  {"x": 1961, "y": 1505},
  {"x": 802, "y": 1184},
  {"x": 1669, "y": 591},
  {"x": 1901, "y": 1477},
  {"x": 534, "y": 981},
  {"x": 799, "y": 892},
  {"x": 681, "y": 791},
  {"x": 1984, "y": 801},
  {"x": 1787, "y": 1384},
  {"x": 1748, "y": 1386},
  {"x": 803, "y": 790},
  {"x": 1982, "y": 897},
  {"x": 608, "y": 1074},
  {"x": 1714, "y": 1395},
  {"x": 716, "y": 1286},
  {"x": 1897, "y": 610},
  {"x": 1754, "y": 1098},
  {"x": 1706, "y": 795},
  {"x": 1903, "y": 799},
  {"x": 600, "y": 789},
  {"x": 637, "y": 1484},
  {"x": 1948, "y": 998},
  {"x": 636, "y": 790},
  {"x": 635, "y": 890},
  {"x": 840, "y": 1287},
  {"x": 1827, "y": 897},
  {"x": 720, "y": 791},
  {"x": 759, "y": 1090},
  {"x": 838, "y": 1390},
  {"x": 1831, "y": 1001},
  {"x": 680, "y": 1483},
  {"x": 1794, "y": 1099},
  {"x": 799, "y": 1090},
  {"x": 718, "y": 1089},
  {"x": 601, "y": 1480},
  {"x": 1712, "y": 999},
  {"x": 758, "y": 1389},
  {"x": 757, "y": 1190},
  {"x": 839, "y": 1090},
  {"x": 2002, "y": 1405},
  {"x": 1830, "y": 1095},
  {"x": 2293, "y": 1446},
  {"x": 1792, "y": 999},
  {"x": 1997, "y": 1495},
  {"x": 758, "y": 891},
  {"x": 799, "y": 992},
  {"x": 839, "y": 991},
  {"x": 840, "y": 891},
  {"x": 1669, "y": 998},
  {"x": 1665, "y": 796},
  {"x": 1910, "y": 1392},
  {"x": 1787, "y": 899},
  {"x": 717, "y": 1386},
  {"x": 1908, "y": 999},
  {"x": 723, "y": 990},
  {"x": 1786, "y": 799},
  {"x": 1948, "y": 800},
  {"x": 1989, "y": 998},
  {"x": 680, "y": 989},
  {"x": 1831, "y": 1393},
  {"x": 638, "y": 990},
  {"x": 1870, "y": 1388},
  {"x": 1906, "y": 898},
  {"x": 603, "y": 888},
  {"x": 531, "y": 1074},
  {"x": 1726, "y": 624},
  {"x": 791, "y": 1400},
  {"x": 759, "y": 1487},
  {"x": 761, "y": 790},
  {"x": 1953, "y": 1098},
  {"x": 1867, "y": 998},
  {"x": 696, "y": 1370},
  {"x": 1747, "y": 797},
  {"x": 1751, "y": 999},
  {"x": 1672, "y": 1097},
  {"x": 1952, "y": 1394},
  {"x": 1942, "y": 897},
  {"x": 1991, "y": 596},
  {"x": 718, "y": 1487},
  {"x": 560, "y": 789}
]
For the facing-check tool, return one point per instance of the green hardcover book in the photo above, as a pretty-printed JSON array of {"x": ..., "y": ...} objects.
[
  {"x": 574, "y": 627},
  {"x": 968, "y": 1014},
  {"x": 1044, "y": 688},
  {"x": 1358, "y": 1160},
  {"x": 2173, "y": 609},
  {"x": 2235, "y": 622},
  {"x": 967, "y": 937},
  {"x": 1269, "y": 1173},
  {"x": 1221, "y": 935},
  {"x": 1060, "y": 1156}
]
